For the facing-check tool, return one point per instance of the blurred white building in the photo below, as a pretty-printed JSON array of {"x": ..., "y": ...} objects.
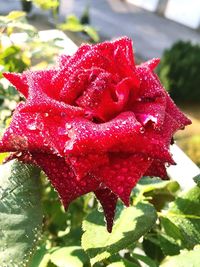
[{"x": 186, "y": 12}]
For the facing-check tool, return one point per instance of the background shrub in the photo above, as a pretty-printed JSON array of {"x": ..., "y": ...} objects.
[{"x": 179, "y": 71}]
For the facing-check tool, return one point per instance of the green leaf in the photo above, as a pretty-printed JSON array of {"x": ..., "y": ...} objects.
[
  {"x": 158, "y": 191},
  {"x": 40, "y": 258},
  {"x": 123, "y": 263},
  {"x": 69, "y": 256},
  {"x": 72, "y": 23},
  {"x": 197, "y": 179},
  {"x": 14, "y": 15},
  {"x": 170, "y": 228},
  {"x": 149, "y": 185},
  {"x": 151, "y": 247},
  {"x": 169, "y": 245},
  {"x": 185, "y": 259},
  {"x": 184, "y": 213},
  {"x": 20, "y": 212},
  {"x": 46, "y": 4},
  {"x": 130, "y": 225},
  {"x": 92, "y": 33},
  {"x": 149, "y": 262}
]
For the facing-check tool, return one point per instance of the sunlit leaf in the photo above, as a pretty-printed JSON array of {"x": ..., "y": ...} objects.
[
  {"x": 92, "y": 33},
  {"x": 184, "y": 213},
  {"x": 185, "y": 259},
  {"x": 123, "y": 263},
  {"x": 69, "y": 256},
  {"x": 130, "y": 225},
  {"x": 148, "y": 261},
  {"x": 14, "y": 15},
  {"x": 20, "y": 212}
]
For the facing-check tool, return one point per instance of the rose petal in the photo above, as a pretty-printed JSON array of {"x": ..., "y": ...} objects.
[
  {"x": 150, "y": 86},
  {"x": 105, "y": 98},
  {"x": 151, "y": 64},
  {"x": 122, "y": 134},
  {"x": 175, "y": 113},
  {"x": 85, "y": 164},
  {"x": 63, "y": 178},
  {"x": 122, "y": 174},
  {"x": 19, "y": 81},
  {"x": 41, "y": 83},
  {"x": 63, "y": 60},
  {"x": 121, "y": 51},
  {"x": 108, "y": 201},
  {"x": 153, "y": 111},
  {"x": 36, "y": 132},
  {"x": 157, "y": 168}
]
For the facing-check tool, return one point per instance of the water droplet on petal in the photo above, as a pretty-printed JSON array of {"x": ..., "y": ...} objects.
[
  {"x": 61, "y": 131},
  {"x": 62, "y": 114},
  {"x": 40, "y": 126},
  {"x": 120, "y": 178},
  {"x": 120, "y": 189},
  {"x": 68, "y": 126},
  {"x": 32, "y": 126},
  {"x": 142, "y": 130}
]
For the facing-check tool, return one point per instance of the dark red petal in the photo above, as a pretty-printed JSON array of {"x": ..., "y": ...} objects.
[
  {"x": 70, "y": 66},
  {"x": 120, "y": 52},
  {"x": 75, "y": 59},
  {"x": 52, "y": 107},
  {"x": 19, "y": 81},
  {"x": 108, "y": 201},
  {"x": 43, "y": 93},
  {"x": 153, "y": 111},
  {"x": 122, "y": 134},
  {"x": 42, "y": 83},
  {"x": 103, "y": 97},
  {"x": 151, "y": 64},
  {"x": 150, "y": 86},
  {"x": 175, "y": 113},
  {"x": 36, "y": 132},
  {"x": 63, "y": 60},
  {"x": 165, "y": 134},
  {"x": 157, "y": 168},
  {"x": 63, "y": 178},
  {"x": 75, "y": 86},
  {"x": 122, "y": 174},
  {"x": 85, "y": 164},
  {"x": 125, "y": 68}
]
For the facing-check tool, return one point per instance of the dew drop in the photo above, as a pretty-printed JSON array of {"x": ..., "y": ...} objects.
[
  {"x": 32, "y": 126},
  {"x": 40, "y": 126},
  {"x": 62, "y": 114},
  {"x": 120, "y": 189},
  {"x": 120, "y": 178},
  {"x": 61, "y": 131},
  {"x": 142, "y": 130},
  {"x": 68, "y": 126}
]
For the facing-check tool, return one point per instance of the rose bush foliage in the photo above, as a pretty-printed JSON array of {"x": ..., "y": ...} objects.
[{"x": 95, "y": 123}]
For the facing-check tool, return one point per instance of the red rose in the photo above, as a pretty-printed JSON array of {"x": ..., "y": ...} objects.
[{"x": 97, "y": 122}]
